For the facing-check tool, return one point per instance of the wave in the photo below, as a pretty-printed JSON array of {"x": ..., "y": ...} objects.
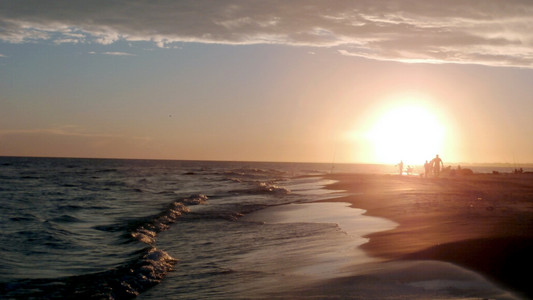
[
  {"x": 109, "y": 170},
  {"x": 248, "y": 171},
  {"x": 114, "y": 183},
  {"x": 195, "y": 199},
  {"x": 22, "y": 219},
  {"x": 77, "y": 207},
  {"x": 147, "y": 231},
  {"x": 124, "y": 282},
  {"x": 264, "y": 188},
  {"x": 257, "y": 173},
  {"x": 272, "y": 188},
  {"x": 146, "y": 269},
  {"x": 66, "y": 219}
]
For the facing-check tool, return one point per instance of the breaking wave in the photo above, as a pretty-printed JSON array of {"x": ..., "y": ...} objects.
[
  {"x": 146, "y": 269},
  {"x": 264, "y": 188},
  {"x": 148, "y": 231},
  {"x": 272, "y": 188},
  {"x": 124, "y": 282}
]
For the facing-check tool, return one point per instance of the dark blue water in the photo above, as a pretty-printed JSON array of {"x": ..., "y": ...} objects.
[{"x": 94, "y": 228}]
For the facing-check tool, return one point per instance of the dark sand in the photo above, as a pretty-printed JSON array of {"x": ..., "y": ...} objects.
[{"x": 482, "y": 222}]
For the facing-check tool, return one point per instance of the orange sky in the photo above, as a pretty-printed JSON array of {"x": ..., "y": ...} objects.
[{"x": 245, "y": 82}]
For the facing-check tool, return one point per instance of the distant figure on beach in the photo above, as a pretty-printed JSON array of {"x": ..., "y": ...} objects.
[
  {"x": 400, "y": 167},
  {"x": 427, "y": 169},
  {"x": 437, "y": 164}
]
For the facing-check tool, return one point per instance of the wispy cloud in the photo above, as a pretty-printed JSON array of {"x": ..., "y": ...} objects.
[
  {"x": 491, "y": 32},
  {"x": 114, "y": 53},
  {"x": 67, "y": 130},
  {"x": 69, "y": 141},
  {"x": 118, "y": 53}
]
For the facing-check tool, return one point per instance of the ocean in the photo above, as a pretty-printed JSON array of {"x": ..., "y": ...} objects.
[
  {"x": 156, "y": 229},
  {"x": 116, "y": 228}
]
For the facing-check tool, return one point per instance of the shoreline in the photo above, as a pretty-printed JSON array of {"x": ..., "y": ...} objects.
[
  {"x": 328, "y": 258},
  {"x": 482, "y": 222}
]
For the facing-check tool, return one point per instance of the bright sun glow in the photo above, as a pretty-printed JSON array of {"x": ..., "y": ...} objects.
[{"x": 411, "y": 133}]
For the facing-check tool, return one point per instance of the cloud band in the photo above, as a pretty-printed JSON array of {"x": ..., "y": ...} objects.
[{"x": 490, "y": 32}]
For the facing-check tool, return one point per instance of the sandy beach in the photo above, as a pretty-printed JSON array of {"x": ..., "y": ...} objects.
[{"x": 482, "y": 222}]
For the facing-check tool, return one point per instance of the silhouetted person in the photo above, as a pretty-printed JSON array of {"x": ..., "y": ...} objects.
[
  {"x": 400, "y": 167},
  {"x": 437, "y": 164},
  {"x": 427, "y": 169}
]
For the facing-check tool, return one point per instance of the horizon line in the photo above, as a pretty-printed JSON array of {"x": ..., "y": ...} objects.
[{"x": 530, "y": 164}]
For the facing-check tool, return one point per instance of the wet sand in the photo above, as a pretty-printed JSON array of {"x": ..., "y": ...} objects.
[{"x": 482, "y": 222}]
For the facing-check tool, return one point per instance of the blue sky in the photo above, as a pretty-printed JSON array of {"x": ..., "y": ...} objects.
[{"x": 262, "y": 80}]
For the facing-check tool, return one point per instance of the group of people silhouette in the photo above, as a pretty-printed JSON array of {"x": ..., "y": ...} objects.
[
  {"x": 435, "y": 166},
  {"x": 432, "y": 167}
]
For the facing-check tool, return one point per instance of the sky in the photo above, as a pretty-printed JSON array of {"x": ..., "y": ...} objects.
[{"x": 294, "y": 81}]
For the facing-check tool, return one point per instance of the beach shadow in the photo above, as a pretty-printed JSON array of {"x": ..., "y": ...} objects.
[{"x": 505, "y": 260}]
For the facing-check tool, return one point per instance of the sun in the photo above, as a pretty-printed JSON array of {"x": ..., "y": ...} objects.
[{"x": 410, "y": 132}]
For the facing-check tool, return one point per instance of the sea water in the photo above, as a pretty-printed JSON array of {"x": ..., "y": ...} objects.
[
  {"x": 116, "y": 228},
  {"x": 154, "y": 229}
]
